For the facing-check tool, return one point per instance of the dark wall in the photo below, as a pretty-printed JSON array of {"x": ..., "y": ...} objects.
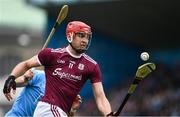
[
  {"x": 149, "y": 23},
  {"x": 121, "y": 31}
]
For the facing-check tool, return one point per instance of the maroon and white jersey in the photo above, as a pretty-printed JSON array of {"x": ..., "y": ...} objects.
[{"x": 65, "y": 75}]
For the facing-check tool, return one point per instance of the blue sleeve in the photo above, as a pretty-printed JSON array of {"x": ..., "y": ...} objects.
[{"x": 11, "y": 113}]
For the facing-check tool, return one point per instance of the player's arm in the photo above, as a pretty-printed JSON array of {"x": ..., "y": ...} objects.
[
  {"x": 75, "y": 106},
  {"x": 101, "y": 100},
  {"x": 23, "y": 80},
  {"x": 22, "y": 67},
  {"x": 19, "y": 70}
]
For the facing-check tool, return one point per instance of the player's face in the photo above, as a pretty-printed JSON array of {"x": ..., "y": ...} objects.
[{"x": 81, "y": 40}]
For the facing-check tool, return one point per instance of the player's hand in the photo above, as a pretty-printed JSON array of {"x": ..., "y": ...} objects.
[
  {"x": 28, "y": 75},
  {"x": 111, "y": 114},
  {"x": 75, "y": 106},
  {"x": 8, "y": 86},
  {"x": 76, "y": 103}
]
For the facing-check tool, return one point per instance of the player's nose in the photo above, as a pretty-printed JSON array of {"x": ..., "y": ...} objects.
[{"x": 85, "y": 40}]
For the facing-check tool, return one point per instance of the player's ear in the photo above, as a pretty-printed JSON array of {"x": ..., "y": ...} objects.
[{"x": 70, "y": 37}]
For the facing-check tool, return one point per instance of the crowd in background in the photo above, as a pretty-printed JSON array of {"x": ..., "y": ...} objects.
[{"x": 157, "y": 95}]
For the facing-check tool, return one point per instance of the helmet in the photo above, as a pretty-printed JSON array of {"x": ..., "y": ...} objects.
[{"x": 74, "y": 27}]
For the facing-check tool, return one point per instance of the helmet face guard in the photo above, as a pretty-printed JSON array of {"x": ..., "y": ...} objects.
[
  {"x": 78, "y": 28},
  {"x": 83, "y": 34}
]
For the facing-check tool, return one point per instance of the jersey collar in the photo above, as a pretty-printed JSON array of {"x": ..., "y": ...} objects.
[{"x": 75, "y": 56}]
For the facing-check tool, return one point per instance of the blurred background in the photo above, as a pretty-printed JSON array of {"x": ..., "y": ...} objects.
[{"x": 122, "y": 29}]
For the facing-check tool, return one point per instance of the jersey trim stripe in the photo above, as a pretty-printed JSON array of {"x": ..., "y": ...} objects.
[
  {"x": 52, "y": 110},
  {"x": 38, "y": 60},
  {"x": 55, "y": 111},
  {"x": 89, "y": 59}
]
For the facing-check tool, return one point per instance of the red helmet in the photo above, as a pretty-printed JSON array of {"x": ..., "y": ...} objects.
[{"x": 77, "y": 26}]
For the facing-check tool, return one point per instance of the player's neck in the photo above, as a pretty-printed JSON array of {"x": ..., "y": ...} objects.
[{"x": 72, "y": 52}]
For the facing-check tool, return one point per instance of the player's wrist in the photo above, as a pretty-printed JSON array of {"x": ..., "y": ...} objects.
[
  {"x": 11, "y": 77},
  {"x": 110, "y": 114}
]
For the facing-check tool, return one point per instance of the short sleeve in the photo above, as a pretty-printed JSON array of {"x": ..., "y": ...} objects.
[
  {"x": 96, "y": 75},
  {"x": 45, "y": 56}
]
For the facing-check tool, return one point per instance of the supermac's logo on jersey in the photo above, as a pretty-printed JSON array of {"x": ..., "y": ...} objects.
[
  {"x": 81, "y": 66},
  {"x": 59, "y": 73}
]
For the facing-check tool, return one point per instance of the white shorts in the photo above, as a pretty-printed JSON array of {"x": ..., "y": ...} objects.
[{"x": 44, "y": 109}]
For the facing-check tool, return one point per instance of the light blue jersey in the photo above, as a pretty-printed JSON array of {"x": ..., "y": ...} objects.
[{"x": 26, "y": 102}]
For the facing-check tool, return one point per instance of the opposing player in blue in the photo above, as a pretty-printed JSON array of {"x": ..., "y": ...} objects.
[{"x": 34, "y": 82}]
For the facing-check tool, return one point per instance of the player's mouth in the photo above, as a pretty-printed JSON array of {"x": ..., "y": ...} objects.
[{"x": 83, "y": 45}]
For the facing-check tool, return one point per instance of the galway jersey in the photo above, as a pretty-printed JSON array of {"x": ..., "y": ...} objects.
[{"x": 65, "y": 75}]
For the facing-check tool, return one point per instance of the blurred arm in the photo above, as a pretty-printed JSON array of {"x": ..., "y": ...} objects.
[{"x": 22, "y": 67}]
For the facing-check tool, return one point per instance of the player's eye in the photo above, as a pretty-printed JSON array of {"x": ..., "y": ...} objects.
[{"x": 83, "y": 34}]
